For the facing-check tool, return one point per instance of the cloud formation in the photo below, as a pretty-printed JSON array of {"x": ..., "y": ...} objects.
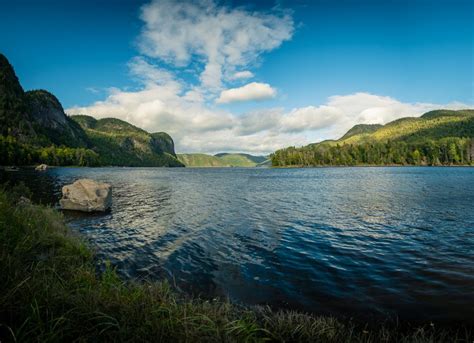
[
  {"x": 196, "y": 127},
  {"x": 221, "y": 38},
  {"x": 221, "y": 45},
  {"x": 246, "y": 74},
  {"x": 251, "y": 91}
]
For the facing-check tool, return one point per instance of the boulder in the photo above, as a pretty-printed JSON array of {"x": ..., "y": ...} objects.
[
  {"x": 86, "y": 195},
  {"x": 23, "y": 201},
  {"x": 41, "y": 167}
]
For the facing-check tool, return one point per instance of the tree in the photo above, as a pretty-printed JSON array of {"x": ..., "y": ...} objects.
[{"x": 453, "y": 153}]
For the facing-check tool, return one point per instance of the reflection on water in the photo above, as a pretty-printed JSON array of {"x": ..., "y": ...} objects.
[{"x": 345, "y": 241}]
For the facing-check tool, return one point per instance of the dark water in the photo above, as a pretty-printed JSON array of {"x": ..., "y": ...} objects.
[{"x": 358, "y": 242}]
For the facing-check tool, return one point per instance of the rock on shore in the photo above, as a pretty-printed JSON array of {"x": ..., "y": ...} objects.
[{"x": 86, "y": 195}]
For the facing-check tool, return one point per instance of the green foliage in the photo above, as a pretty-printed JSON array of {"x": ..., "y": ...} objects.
[
  {"x": 437, "y": 138},
  {"x": 201, "y": 160},
  {"x": 221, "y": 160},
  {"x": 241, "y": 160},
  {"x": 361, "y": 129},
  {"x": 163, "y": 142},
  {"x": 14, "y": 118},
  {"x": 34, "y": 128},
  {"x": 50, "y": 291},
  {"x": 119, "y": 143},
  {"x": 13, "y": 152},
  {"x": 50, "y": 123}
]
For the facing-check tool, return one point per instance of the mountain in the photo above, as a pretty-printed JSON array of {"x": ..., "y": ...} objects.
[
  {"x": 440, "y": 137},
  {"x": 221, "y": 160},
  {"x": 265, "y": 164},
  {"x": 431, "y": 125},
  {"x": 35, "y": 116},
  {"x": 14, "y": 116},
  {"x": 50, "y": 122},
  {"x": 201, "y": 160},
  {"x": 120, "y": 143},
  {"x": 361, "y": 129},
  {"x": 164, "y": 142},
  {"x": 241, "y": 160},
  {"x": 35, "y": 129}
]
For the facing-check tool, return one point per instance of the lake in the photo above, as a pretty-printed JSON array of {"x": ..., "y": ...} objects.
[{"x": 357, "y": 242}]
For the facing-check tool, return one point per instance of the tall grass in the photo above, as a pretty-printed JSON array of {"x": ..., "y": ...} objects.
[{"x": 50, "y": 291}]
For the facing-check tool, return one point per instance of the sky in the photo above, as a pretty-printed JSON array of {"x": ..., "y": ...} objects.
[{"x": 223, "y": 76}]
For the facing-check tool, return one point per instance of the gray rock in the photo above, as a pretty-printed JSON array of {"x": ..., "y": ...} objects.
[
  {"x": 41, "y": 167},
  {"x": 86, "y": 195},
  {"x": 23, "y": 201}
]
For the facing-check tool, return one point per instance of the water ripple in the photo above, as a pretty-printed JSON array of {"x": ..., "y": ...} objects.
[{"x": 345, "y": 241}]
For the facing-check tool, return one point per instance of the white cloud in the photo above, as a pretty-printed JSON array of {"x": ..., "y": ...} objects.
[
  {"x": 221, "y": 38},
  {"x": 196, "y": 127},
  {"x": 93, "y": 90},
  {"x": 246, "y": 74},
  {"x": 151, "y": 74},
  {"x": 219, "y": 44},
  {"x": 162, "y": 104},
  {"x": 258, "y": 121},
  {"x": 251, "y": 91},
  {"x": 366, "y": 108},
  {"x": 310, "y": 118}
]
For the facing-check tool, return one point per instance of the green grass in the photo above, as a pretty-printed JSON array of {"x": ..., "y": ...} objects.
[{"x": 50, "y": 291}]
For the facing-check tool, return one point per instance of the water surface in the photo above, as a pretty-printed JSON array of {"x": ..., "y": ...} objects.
[{"x": 357, "y": 242}]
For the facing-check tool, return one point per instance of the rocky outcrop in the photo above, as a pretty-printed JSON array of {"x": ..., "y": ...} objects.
[
  {"x": 86, "y": 195},
  {"x": 41, "y": 167},
  {"x": 163, "y": 142},
  {"x": 120, "y": 143},
  {"x": 14, "y": 116},
  {"x": 47, "y": 109},
  {"x": 23, "y": 201},
  {"x": 34, "y": 117},
  {"x": 50, "y": 120}
]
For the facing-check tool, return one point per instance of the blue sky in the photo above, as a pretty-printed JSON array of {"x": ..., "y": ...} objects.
[{"x": 330, "y": 64}]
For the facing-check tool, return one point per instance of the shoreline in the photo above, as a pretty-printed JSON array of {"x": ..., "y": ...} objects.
[
  {"x": 373, "y": 166},
  {"x": 51, "y": 288},
  {"x": 3, "y": 168}
]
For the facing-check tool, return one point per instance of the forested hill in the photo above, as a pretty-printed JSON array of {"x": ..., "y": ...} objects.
[
  {"x": 222, "y": 160},
  {"x": 35, "y": 129},
  {"x": 120, "y": 143},
  {"x": 441, "y": 137}
]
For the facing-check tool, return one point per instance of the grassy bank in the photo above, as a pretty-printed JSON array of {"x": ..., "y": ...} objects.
[{"x": 50, "y": 291}]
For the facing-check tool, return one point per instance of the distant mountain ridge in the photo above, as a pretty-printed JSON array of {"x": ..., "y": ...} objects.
[
  {"x": 35, "y": 129},
  {"x": 440, "y": 137},
  {"x": 222, "y": 160}
]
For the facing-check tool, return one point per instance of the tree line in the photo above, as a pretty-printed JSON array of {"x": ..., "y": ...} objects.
[
  {"x": 445, "y": 151},
  {"x": 13, "y": 152}
]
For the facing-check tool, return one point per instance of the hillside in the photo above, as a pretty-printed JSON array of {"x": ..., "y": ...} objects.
[
  {"x": 221, "y": 160},
  {"x": 361, "y": 129},
  {"x": 241, "y": 160},
  {"x": 431, "y": 125},
  {"x": 120, "y": 143},
  {"x": 441, "y": 137},
  {"x": 34, "y": 117},
  {"x": 35, "y": 129},
  {"x": 201, "y": 160}
]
